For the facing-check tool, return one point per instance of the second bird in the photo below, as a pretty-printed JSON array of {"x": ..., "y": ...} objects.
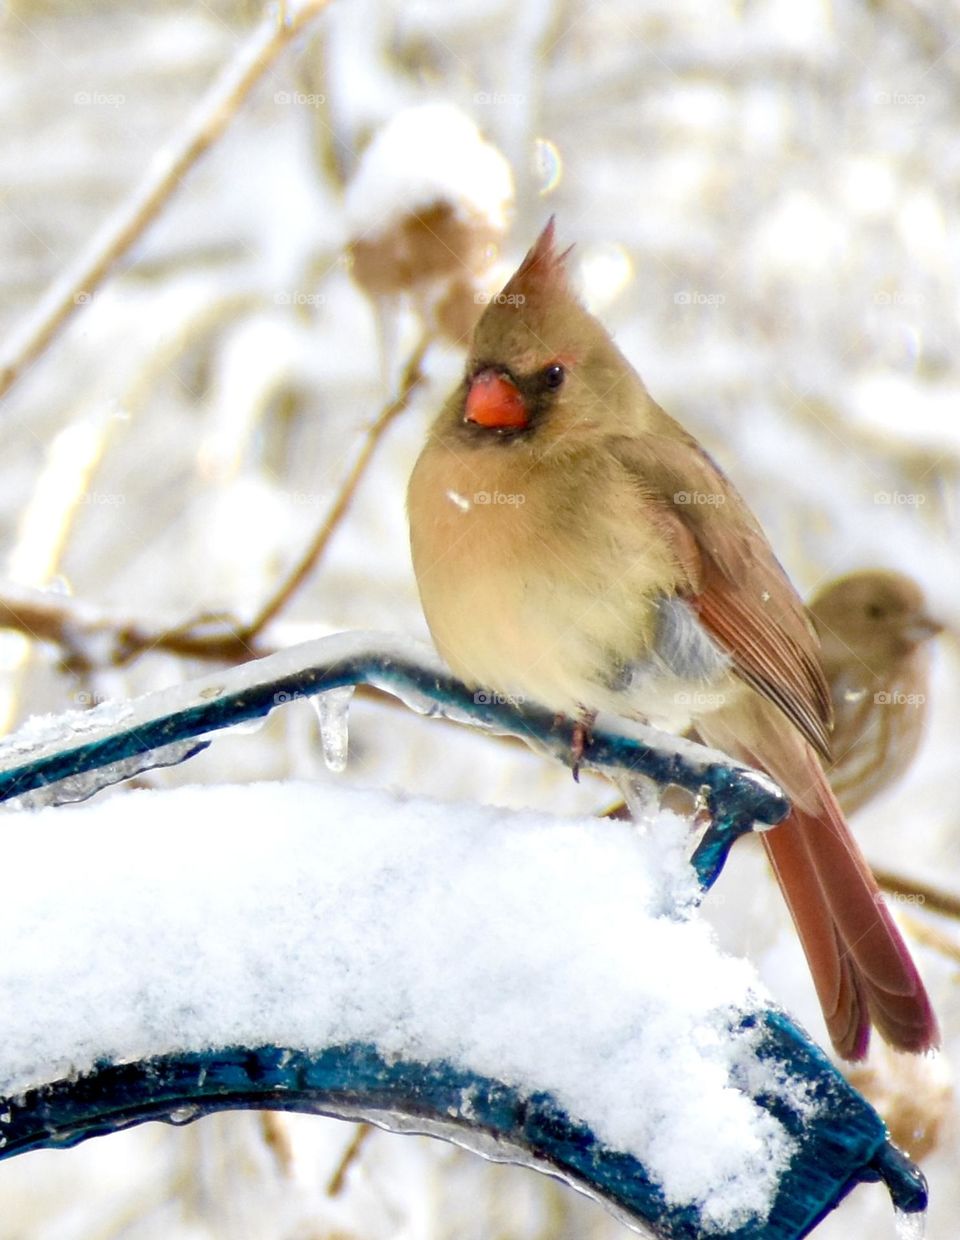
[
  {"x": 875, "y": 634},
  {"x": 576, "y": 547}
]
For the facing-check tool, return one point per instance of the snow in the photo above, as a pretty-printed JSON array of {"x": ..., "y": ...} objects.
[
  {"x": 513, "y": 944},
  {"x": 39, "y": 733},
  {"x": 424, "y": 155}
]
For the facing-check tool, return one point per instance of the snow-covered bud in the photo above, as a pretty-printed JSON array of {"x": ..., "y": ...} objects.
[{"x": 426, "y": 210}]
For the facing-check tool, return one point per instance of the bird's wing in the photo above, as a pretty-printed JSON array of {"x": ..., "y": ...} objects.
[{"x": 740, "y": 593}]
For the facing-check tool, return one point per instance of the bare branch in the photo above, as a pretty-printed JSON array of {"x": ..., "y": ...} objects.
[
  {"x": 931, "y": 936},
  {"x": 90, "y": 638},
  {"x": 931, "y": 899},
  {"x": 410, "y": 381},
  {"x": 168, "y": 168},
  {"x": 349, "y": 1156}
]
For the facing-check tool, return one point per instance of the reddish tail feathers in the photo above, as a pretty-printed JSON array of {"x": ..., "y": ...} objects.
[{"x": 861, "y": 967}]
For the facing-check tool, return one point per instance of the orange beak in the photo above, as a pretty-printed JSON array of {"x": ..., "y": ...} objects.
[{"x": 493, "y": 400}]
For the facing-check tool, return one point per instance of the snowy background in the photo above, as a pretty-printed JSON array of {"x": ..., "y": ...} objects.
[{"x": 763, "y": 198}]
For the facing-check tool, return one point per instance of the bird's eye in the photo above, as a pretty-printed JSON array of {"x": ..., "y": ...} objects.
[
  {"x": 875, "y": 611},
  {"x": 554, "y": 375}
]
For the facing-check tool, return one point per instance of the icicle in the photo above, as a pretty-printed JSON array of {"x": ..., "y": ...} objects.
[
  {"x": 642, "y": 796},
  {"x": 910, "y": 1226},
  {"x": 333, "y": 709}
]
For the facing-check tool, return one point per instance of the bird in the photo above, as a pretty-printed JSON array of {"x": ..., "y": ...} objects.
[
  {"x": 577, "y": 548},
  {"x": 874, "y": 630}
]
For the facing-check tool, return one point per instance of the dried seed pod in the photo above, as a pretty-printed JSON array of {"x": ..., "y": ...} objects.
[{"x": 426, "y": 210}]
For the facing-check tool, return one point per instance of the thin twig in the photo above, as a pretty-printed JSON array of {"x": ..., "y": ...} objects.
[
  {"x": 931, "y": 936},
  {"x": 79, "y": 629},
  {"x": 170, "y": 165},
  {"x": 411, "y": 379},
  {"x": 924, "y": 895},
  {"x": 348, "y": 1158},
  {"x": 277, "y": 1139}
]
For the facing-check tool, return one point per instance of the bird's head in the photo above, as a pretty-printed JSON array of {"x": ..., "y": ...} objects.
[
  {"x": 541, "y": 368},
  {"x": 875, "y": 615}
]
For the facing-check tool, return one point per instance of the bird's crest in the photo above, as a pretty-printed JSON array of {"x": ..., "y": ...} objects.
[{"x": 543, "y": 272}]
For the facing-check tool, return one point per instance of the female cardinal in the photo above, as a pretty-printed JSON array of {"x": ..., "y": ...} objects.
[
  {"x": 574, "y": 546},
  {"x": 874, "y": 632}
]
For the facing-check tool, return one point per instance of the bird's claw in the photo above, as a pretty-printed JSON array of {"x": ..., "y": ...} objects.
[{"x": 580, "y": 741}]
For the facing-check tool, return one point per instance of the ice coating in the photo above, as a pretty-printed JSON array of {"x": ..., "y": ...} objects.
[{"x": 88, "y": 783}]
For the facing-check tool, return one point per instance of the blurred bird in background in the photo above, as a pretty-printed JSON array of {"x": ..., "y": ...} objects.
[
  {"x": 874, "y": 634},
  {"x": 574, "y": 546}
]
